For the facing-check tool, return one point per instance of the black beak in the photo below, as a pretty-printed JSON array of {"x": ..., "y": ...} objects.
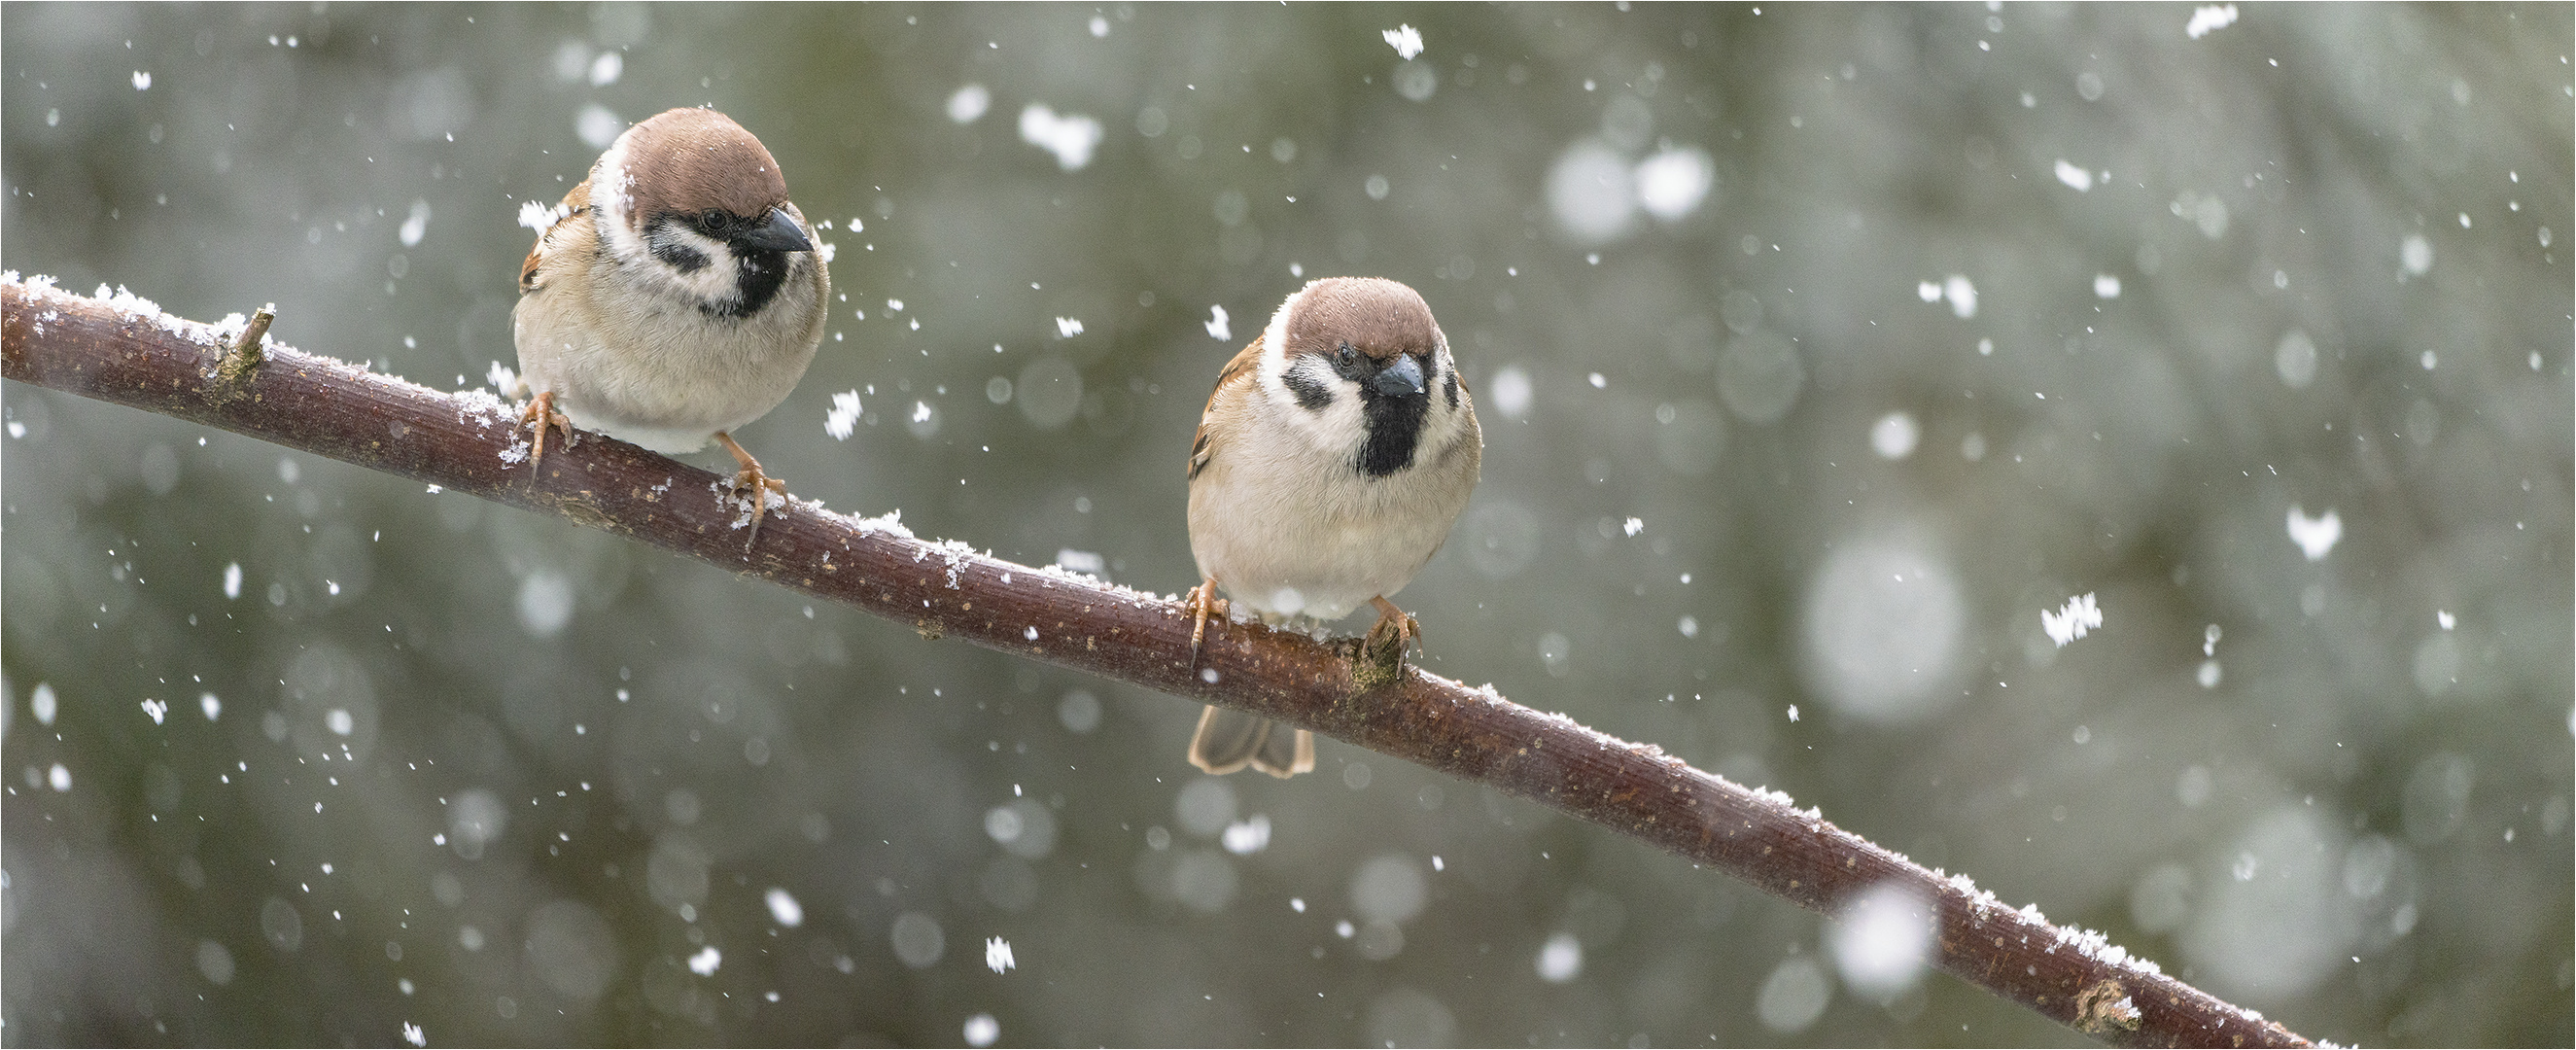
[
  {"x": 777, "y": 233},
  {"x": 1400, "y": 379}
]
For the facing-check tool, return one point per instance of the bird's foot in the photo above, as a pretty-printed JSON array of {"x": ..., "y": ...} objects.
[
  {"x": 539, "y": 417},
  {"x": 1380, "y": 659},
  {"x": 752, "y": 483},
  {"x": 1201, "y": 601}
]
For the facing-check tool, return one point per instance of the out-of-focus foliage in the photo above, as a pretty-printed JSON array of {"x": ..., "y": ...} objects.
[{"x": 1820, "y": 352}]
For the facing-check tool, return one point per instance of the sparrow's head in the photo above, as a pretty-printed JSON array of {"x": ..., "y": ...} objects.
[
  {"x": 696, "y": 200},
  {"x": 1365, "y": 366}
]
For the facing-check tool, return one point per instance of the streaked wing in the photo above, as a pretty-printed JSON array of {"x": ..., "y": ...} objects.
[
  {"x": 574, "y": 203},
  {"x": 1241, "y": 370}
]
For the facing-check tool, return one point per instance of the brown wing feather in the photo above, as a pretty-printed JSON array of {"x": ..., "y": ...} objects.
[
  {"x": 1240, "y": 370},
  {"x": 574, "y": 203}
]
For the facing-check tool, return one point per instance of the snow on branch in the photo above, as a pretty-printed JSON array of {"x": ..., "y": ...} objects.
[{"x": 123, "y": 349}]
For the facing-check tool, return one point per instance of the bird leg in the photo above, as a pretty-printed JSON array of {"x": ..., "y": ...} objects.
[
  {"x": 539, "y": 416},
  {"x": 1201, "y": 601},
  {"x": 754, "y": 481},
  {"x": 1381, "y": 654}
]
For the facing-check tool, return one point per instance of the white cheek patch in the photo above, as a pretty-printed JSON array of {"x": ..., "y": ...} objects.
[
  {"x": 716, "y": 280},
  {"x": 1336, "y": 428}
]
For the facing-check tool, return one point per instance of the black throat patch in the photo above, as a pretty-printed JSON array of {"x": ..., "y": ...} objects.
[
  {"x": 1394, "y": 428},
  {"x": 758, "y": 274}
]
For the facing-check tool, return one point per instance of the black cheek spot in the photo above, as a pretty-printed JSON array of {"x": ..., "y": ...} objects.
[
  {"x": 1312, "y": 394},
  {"x": 679, "y": 256},
  {"x": 1449, "y": 387}
]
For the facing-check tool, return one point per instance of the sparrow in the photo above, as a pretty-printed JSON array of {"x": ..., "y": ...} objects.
[
  {"x": 1336, "y": 452},
  {"x": 674, "y": 296}
]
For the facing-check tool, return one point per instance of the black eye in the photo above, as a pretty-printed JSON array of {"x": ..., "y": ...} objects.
[
  {"x": 711, "y": 222},
  {"x": 1346, "y": 353}
]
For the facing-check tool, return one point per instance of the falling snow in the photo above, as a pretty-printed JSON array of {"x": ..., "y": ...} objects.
[{"x": 2071, "y": 622}]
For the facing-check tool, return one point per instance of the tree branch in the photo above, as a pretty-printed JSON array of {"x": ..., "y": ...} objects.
[{"x": 124, "y": 350}]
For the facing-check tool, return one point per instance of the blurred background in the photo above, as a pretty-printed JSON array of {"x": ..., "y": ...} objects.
[{"x": 1835, "y": 365}]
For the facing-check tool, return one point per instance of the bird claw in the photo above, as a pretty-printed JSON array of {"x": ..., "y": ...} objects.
[
  {"x": 1381, "y": 653},
  {"x": 1201, "y": 601},
  {"x": 540, "y": 416},
  {"x": 751, "y": 483}
]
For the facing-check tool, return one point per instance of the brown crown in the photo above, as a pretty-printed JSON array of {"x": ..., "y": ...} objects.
[
  {"x": 1378, "y": 317},
  {"x": 690, "y": 160}
]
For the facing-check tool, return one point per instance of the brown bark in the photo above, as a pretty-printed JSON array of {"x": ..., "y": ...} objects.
[{"x": 472, "y": 443}]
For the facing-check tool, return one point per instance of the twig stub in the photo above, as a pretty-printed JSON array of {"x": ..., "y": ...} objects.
[{"x": 246, "y": 353}]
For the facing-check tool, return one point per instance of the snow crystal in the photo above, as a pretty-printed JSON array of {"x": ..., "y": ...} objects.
[
  {"x": 968, "y": 104},
  {"x": 844, "y": 415},
  {"x": 982, "y": 1030},
  {"x": 2416, "y": 254},
  {"x": 212, "y": 705},
  {"x": 232, "y": 580},
  {"x": 2074, "y": 176},
  {"x": 42, "y": 703},
  {"x": 2315, "y": 536},
  {"x": 1217, "y": 328},
  {"x": 2296, "y": 359},
  {"x": 997, "y": 955},
  {"x": 412, "y": 1034},
  {"x": 1671, "y": 184},
  {"x": 1894, "y": 435},
  {"x": 1560, "y": 959},
  {"x": 917, "y": 940},
  {"x": 1389, "y": 888},
  {"x": 1416, "y": 81},
  {"x": 705, "y": 963},
  {"x": 130, "y": 304},
  {"x": 2070, "y": 623},
  {"x": 2207, "y": 20},
  {"x": 1079, "y": 711},
  {"x": 1882, "y": 629},
  {"x": 142, "y": 80},
  {"x": 2106, "y": 286},
  {"x": 1962, "y": 294},
  {"x": 1591, "y": 192},
  {"x": 1633, "y": 526},
  {"x": 605, "y": 69},
  {"x": 2205, "y": 211},
  {"x": 540, "y": 216},
  {"x": 1068, "y": 327},
  {"x": 416, "y": 225},
  {"x": 545, "y": 602},
  {"x": 1406, "y": 40},
  {"x": 1511, "y": 391},
  {"x": 59, "y": 777},
  {"x": 784, "y": 907},
  {"x": 1883, "y": 940},
  {"x": 597, "y": 126},
  {"x": 1070, "y": 137},
  {"x": 1246, "y": 837},
  {"x": 156, "y": 710},
  {"x": 1793, "y": 996}
]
